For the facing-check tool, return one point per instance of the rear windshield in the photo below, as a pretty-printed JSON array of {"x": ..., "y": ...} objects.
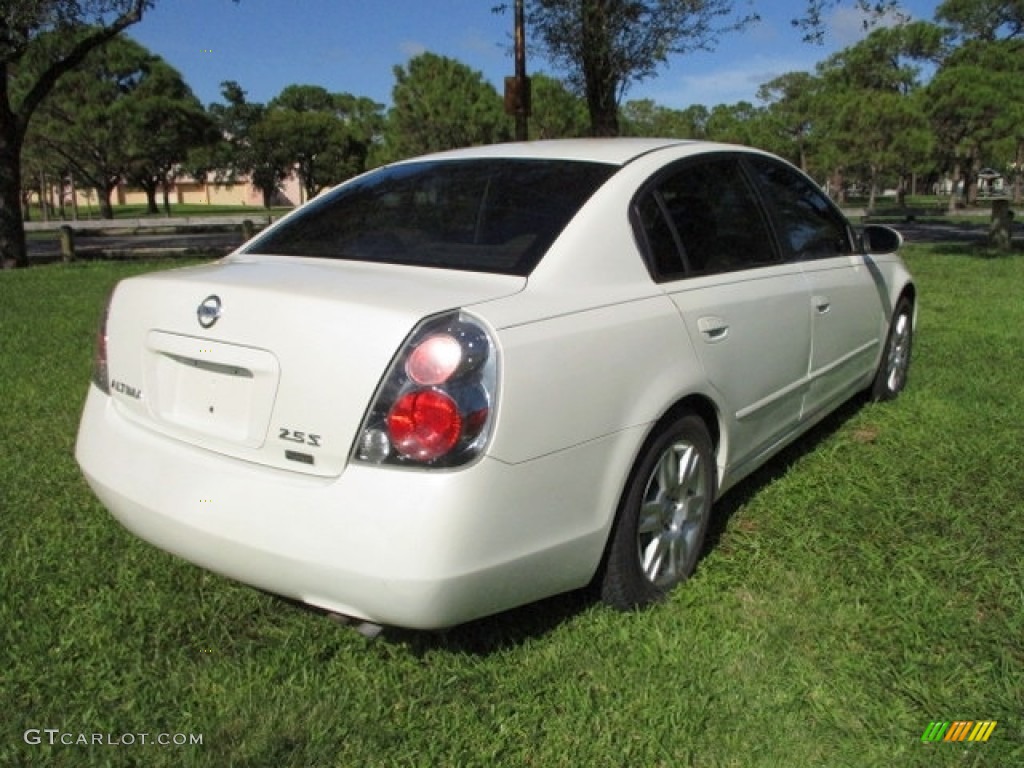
[{"x": 482, "y": 215}]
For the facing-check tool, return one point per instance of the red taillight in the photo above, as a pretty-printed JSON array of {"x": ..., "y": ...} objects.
[
  {"x": 424, "y": 425},
  {"x": 100, "y": 371},
  {"x": 435, "y": 405}
]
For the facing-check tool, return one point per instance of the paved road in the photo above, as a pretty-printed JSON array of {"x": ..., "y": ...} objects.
[{"x": 969, "y": 232}]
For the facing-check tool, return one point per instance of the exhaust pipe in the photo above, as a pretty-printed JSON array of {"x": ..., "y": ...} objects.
[{"x": 367, "y": 629}]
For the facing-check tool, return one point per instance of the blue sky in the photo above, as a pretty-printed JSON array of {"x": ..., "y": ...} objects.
[{"x": 353, "y": 46}]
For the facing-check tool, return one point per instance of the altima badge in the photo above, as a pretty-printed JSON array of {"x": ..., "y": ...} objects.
[{"x": 209, "y": 311}]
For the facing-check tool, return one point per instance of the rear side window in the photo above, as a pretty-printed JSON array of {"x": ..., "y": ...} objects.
[
  {"x": 808, "y": 225},
  {"x": 482, "y": 215},
  {"x": 702, "y": 218}
]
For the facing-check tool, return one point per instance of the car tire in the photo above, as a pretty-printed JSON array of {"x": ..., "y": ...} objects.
[
  {"x": 662, "y": 517},
  {"x": 891, "y": 377}
]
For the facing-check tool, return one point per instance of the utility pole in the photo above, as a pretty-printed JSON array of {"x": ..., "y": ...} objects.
[{"x": 517, "y": 88}]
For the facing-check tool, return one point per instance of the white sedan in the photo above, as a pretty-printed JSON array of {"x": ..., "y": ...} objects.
[{"x": 467, "y": 381}]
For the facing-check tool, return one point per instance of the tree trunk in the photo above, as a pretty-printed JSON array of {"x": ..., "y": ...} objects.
[
  {"x": 603, "y": 121},
  {"x": 166, "y": 188},
  {"x": 1000, "y": 232},
  {"x": 12, "y": 228},
  {"x": 600, "y": 79},
  {"x": 267, "y": 197},
  {"x": 61, "y": 204},
  {"x": 106, "y": 209},
  {"x": 13, "y": 126},
  {"x": 149, "y": 187},
  {"x": 971, "y": 188}
]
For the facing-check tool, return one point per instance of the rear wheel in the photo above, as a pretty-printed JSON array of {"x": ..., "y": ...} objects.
[
  {"x": 892, "y": 370},
  {"x": 663, "y": 516}
]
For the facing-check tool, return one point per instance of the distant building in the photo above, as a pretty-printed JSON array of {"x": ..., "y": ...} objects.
[{"x": 186, "y": 190}]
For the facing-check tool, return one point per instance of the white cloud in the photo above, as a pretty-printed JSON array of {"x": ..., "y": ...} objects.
[
  {"x": 411, "y": 48},
  {"x": 727, "y": 85},
  {"x": 483, "y": 45},
  {"x": 741, "y": 64},
  {"x": 849, "y": 25}
]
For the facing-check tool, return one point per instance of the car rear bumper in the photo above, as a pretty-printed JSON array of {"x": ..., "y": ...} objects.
[{"x": 419, "y": 549}]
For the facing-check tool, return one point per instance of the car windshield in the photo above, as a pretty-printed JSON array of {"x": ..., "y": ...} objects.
[{"x": 483, "y": 215}]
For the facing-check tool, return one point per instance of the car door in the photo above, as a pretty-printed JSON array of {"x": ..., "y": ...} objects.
[
  {"x": 846, "y": 314},
  {"x": 745, "y": 311}
]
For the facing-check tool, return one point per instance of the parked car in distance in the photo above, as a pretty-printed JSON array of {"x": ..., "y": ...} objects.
[{"x": 464, "y": 382}]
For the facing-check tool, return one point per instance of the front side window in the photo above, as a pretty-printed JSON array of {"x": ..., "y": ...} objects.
[
  {"x": 808, "y": 225},
  {"x": 701, "y": 219},
  {"x": 485, "y": 215}
]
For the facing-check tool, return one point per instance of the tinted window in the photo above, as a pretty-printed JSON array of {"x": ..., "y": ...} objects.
[
  {"x": 487, "y": 215},
  {"x": 666, "y": 257},
  {"x": 809, "y": 226},
  {"x": 707, "y": 207}
]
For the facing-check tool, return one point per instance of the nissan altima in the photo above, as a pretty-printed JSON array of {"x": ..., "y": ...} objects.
[{"x": 467, "y": 381}]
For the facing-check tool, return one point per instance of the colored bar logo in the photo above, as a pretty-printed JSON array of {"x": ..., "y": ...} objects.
[{"x": 959, "y": 730}]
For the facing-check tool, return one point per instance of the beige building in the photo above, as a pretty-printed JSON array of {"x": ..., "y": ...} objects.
[{"x": 189, "y": 191}]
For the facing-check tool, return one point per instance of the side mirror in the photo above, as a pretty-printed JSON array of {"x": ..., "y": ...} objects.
[{"x": 880, "y": 239}]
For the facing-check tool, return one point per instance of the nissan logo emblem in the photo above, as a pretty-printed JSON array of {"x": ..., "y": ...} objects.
[{"x": 209, "y": 311}]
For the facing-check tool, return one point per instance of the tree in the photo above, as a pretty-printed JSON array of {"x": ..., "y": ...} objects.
[
  {"x": 81, "y": 120},
  {"x": 812, "y": 23},
  {"x": 164, "y": 123},
  {"x": 302, "y": 126},
  {"x": 363, "y": 123},
  {"x": 327, "y": 136},
  {"x": 42, "y": 172},
  {"x": 990, "y": 32},
  {"x": 976, "y": 103},
  {"x": 645, "y": 118},
  {"x": 439, "y": 103},
  {"x": 740, "y": 123},
  {"x": 868, "y": 112},
  {"x": 605, "y": 46},
  {"x": 557, "y": 112},
  {"x": 791, "y": 101},
  {"x": 87, "y": 24},
  {"x": 123, "y": 113},
  {"x": 248, "y": 147},
  {"x": 986, "y": 20}
]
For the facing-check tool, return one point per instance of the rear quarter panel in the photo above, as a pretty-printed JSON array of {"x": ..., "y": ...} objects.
[{"x": 592, "y": 345}]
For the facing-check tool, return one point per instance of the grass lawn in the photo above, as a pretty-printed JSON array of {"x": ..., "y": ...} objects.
[{"x": 864, "y": 584}]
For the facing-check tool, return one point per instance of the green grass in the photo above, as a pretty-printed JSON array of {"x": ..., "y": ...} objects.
[{"x": 865, "y": 583}]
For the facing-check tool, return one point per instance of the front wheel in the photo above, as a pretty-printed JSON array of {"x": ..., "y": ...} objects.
[
  {"x": 892, "y": 370},
  {"x": 663, "y": 516}
]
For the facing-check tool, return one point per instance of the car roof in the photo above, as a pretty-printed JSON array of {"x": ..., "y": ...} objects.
[{"x": 615, "y": 151}]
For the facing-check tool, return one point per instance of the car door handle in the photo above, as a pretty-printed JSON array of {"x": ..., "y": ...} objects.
[
  {"x": 713, "y": 329},
  {"x": 822, "y": 304}
]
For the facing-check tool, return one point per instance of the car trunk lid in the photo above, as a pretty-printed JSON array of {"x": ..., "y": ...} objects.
[{"x": 268, "y": 359}]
